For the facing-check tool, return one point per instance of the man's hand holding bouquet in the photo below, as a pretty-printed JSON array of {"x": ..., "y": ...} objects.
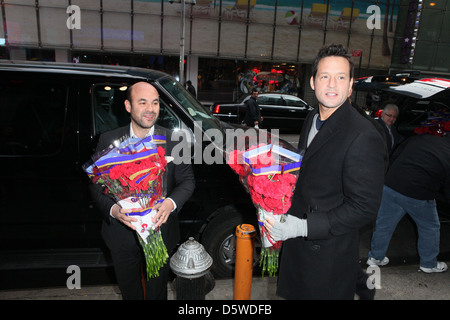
[
  {"x": 269, "y": 173},
  {"x": 132, "y": 171}
]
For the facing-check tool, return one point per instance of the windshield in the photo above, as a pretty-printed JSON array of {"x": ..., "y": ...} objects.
[{"x": 194, "y": 108}]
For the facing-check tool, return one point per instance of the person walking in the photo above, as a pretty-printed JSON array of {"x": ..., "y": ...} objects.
[
  {"x": 117, "y": 231},
  {"x": 419, "y": 173},
  {"x": 252, "y": 112},
  {"x": 338, "y": 189},
  {"x": 191, "y": 88}
]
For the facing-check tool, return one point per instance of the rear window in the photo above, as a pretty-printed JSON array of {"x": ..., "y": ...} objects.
[
  {"x": 271, "y": 100},
  {"x": 294, "y": 102},
  {"x": 32, "y": 116},
  {"x": 109, "y": 108}
]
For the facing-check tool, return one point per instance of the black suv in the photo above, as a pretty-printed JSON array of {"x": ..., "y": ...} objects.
[{"x": 51, "y": 116}]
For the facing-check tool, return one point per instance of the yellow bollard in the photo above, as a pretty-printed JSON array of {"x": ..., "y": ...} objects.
[{"x": 244, "y": 261}]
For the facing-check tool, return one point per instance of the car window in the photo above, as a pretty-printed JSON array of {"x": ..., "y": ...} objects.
[
  {"x": 260, "y": 100},
  {"x": 415, "y": 114},
  {"x": 109, "y": 109},
  {"x": 294, "y": 102},
  {"x": 32, "y": 116},
  {"x": 189, "y": 103},
  {"x": 272, "y": 100},
  {"x": 275, "y": 101}
]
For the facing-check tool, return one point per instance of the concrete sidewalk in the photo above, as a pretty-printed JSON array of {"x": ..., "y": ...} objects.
[{"x": 397, "y": 283}]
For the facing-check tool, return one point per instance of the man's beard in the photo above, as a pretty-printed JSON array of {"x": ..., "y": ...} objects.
[{"x": 143, "y": 124}]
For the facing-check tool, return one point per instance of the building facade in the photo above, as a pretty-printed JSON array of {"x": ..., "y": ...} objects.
[{"x": 229, "y": 46}]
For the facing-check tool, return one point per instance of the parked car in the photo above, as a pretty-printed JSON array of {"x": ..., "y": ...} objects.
[
  {"x": 279, "y": 111},
  {"x": 50, "y": 118},
  {"x": 421, "y": 100}
]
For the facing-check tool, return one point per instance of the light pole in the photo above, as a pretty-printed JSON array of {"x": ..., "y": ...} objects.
[{"x": 182, "y": 34}]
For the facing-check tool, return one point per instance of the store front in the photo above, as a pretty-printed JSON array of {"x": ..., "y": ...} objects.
[{"x": 222, "y": 80}]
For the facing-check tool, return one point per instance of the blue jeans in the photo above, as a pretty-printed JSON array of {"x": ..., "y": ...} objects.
[{"x": 393, "y": 207}]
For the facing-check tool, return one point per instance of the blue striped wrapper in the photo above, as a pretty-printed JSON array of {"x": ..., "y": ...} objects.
[{"x": 293, "y": 163}]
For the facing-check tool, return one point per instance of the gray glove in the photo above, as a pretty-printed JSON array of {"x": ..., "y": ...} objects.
[{"x": 292, "y": 227}]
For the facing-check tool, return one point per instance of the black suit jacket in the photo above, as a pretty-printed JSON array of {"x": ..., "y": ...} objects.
[
  {"x": 178, "y": 178},
  {"x": 338, "y": 190}
]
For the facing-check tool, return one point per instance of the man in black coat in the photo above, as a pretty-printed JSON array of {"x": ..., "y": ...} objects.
[
  {"x": 191, "y": 88},
  {"x": 119, "y": 234},
  {"x": 253, "y": 113},
  {"x": 337, "y": 192}
]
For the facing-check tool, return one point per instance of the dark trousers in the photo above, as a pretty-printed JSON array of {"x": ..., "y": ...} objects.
[{"x": 129, "y": 264}]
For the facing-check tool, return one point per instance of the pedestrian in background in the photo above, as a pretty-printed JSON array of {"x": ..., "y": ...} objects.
[
  {"x": 421, "y": 170},
  {"x": 337, "y": 192},
  {"x": 387, "y": 120},
  {"x": 191, "y": 88}
]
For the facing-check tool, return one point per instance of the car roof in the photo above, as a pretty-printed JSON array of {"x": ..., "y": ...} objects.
[
  {"x": 269, "y": 94},
  {"x": 412, "y": 86},
  {"x": 276, "y": 94},
  {"x": 81, "y": 69},
  {"x": 423, "y": 88}
]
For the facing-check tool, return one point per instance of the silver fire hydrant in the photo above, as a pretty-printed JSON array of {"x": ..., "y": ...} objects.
[{"x": 191, "y": 264}]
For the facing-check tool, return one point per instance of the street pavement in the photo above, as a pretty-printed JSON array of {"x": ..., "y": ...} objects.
[
  {"x": 399, "y": 280},
  {"x": 402, "y": 282}
]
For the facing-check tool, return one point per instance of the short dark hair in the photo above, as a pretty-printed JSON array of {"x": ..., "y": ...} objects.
[{"x": 336, "y": 50}]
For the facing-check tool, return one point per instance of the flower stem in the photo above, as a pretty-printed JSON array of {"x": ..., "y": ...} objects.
[
  {"x": 155, "y": 253},
  {"x": 269, "y": 261}
]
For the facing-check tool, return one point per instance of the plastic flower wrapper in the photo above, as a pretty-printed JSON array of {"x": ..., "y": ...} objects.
[
  {"x": 132, "y": 171},
  {"x": 269, "y": 173}
]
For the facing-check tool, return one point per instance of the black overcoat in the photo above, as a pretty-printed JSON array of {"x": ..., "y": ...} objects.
[{"x": 338, "y": 190}]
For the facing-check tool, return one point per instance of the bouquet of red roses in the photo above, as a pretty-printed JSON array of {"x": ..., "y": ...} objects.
[
  {"x": 269, "y": 173},
  {"x": 132, "y": 172}
]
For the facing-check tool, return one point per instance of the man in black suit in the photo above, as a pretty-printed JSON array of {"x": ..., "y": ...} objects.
[
  {"x": 117, "y": 230},
  {"x": 338, "y": 189}
]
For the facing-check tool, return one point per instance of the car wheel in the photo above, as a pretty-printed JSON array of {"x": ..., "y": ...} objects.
[{"x": 219, "y": 240}]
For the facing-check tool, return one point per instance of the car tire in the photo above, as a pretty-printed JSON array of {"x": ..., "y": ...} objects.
[{"x": 219, "y": 240}]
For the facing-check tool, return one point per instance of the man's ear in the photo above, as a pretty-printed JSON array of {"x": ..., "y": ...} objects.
[
  {"x": 311, "y": 82},
  {"x": 128, "y": 105}
]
